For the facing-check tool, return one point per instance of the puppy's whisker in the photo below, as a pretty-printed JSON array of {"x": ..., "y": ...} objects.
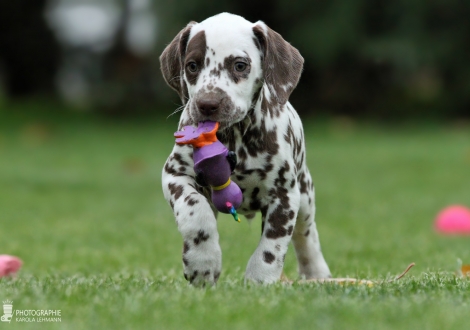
[{"x": 181, "y": 108}]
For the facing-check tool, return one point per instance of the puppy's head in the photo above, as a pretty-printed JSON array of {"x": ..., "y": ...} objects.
[{"x": 219, "y": 66}]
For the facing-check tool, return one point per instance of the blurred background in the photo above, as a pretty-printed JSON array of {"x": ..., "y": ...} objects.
[{"x": 366, "y": 58}]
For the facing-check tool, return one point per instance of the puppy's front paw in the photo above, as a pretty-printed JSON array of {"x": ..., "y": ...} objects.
[{"x": 202, "y": 261}]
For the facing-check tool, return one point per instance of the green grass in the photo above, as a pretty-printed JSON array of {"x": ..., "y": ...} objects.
[{"x": 81, "y": 204}]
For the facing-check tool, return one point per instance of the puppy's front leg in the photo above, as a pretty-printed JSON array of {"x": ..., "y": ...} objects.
[{"x": 202, "y": 256}]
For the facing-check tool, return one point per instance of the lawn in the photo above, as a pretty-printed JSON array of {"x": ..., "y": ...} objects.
[{"x": 81, "y": 205}]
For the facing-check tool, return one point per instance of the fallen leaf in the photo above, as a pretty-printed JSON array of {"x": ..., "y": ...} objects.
[
  {"x": 465, "y": 269},
  {"x": 343, "y": 281}
]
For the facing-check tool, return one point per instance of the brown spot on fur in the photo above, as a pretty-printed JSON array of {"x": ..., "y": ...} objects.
[
  {"x": 281, "y": 179},
  {"x": 227, "y": 138},
  {"x": 280, "y": 193},
  {"x": 256, "y": 96},
  {"x": 190, "y": 200},
  {"x": 303, "y": 183},
  {"x": 255, "y": 203},
  {"x": 304, "y": 261},
  {"x": 193, "y": 277},
  {"x": 259, "y": 139},
  {"x": 229, "y": 65},
  {"x": 289, "y": 230},
  {"x": 277, "y": 220},
  {"x": 275, "y": 233},
  {"x": 216, "y": 276},
  {"x": 170, "y": 169},
  {"x": 176, "y": 190},
  {"x": 269, "y": 167},
  {"x": 177, "y": 156},
  {"x": 268, "y": 257},
  {"x": 289, "y": 136},
  {"x": 195, "y": 52},
  {"x": 214, "y": 73},
  {"x": 201, "y": 237},
  {"x": 292, "y": 183},
  {"x": 185, "y": 247}
]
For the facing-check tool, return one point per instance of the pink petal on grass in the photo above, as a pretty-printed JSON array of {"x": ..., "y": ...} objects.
[{"x": 9, "y": 265}]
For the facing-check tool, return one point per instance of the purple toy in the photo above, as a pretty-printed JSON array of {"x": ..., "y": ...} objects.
[{"x": 213, "y": 164}]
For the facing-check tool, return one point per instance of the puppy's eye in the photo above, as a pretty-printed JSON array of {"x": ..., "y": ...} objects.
[
  {"x": 192, "y": 67},
  {"x": 240, "y": 66}
]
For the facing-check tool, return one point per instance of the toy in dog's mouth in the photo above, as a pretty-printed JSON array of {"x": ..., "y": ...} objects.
[
  {"x": 202, "y": 135},
  {"x": 213, "y": 165}
]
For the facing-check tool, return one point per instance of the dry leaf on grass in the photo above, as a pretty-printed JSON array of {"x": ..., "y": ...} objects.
[
  {"x": 369, "y": 283},
  {"x": 465, "y": 270}
]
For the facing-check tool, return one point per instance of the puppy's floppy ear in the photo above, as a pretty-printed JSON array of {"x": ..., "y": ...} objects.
[
  {"x": 282, "y": 63},
  {"x": 172, "y": 59}
]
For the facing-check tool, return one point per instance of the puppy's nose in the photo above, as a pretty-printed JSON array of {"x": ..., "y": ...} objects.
[{"x": 208, "y": 106}]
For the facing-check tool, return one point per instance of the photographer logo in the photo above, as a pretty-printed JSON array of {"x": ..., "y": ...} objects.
[
  {"x": 29, "y": 315},
  {"x": 7, "y": 311}
]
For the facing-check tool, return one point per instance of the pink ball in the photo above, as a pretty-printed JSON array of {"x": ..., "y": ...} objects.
[
  {"x": 453, "y": 219},
  {"x": 9, "y": 265}
]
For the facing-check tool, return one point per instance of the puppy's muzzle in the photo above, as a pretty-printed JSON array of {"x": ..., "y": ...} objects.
[{"x": 209, "y": 104}]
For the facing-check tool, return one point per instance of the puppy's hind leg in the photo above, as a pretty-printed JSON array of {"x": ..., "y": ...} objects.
[{"x": 305, "y": 238}]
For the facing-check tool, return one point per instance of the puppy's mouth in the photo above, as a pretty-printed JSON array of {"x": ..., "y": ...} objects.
[
  {"x": 225, "y": 121},
  {"x": 226, "y": 116}
]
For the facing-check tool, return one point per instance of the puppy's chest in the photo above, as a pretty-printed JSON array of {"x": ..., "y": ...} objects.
[
  {"x": 249, "y": 174},
  {"x": 251, "y": 167},
  {"x": 253, "y": 174},
  {"x": 254, "y": 182}
]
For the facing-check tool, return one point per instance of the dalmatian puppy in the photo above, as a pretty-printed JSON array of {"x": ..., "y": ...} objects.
[{"x": 240, "y": 74}]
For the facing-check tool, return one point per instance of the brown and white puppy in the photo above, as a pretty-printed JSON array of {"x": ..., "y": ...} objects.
[{"x": 241, "y": 74}]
